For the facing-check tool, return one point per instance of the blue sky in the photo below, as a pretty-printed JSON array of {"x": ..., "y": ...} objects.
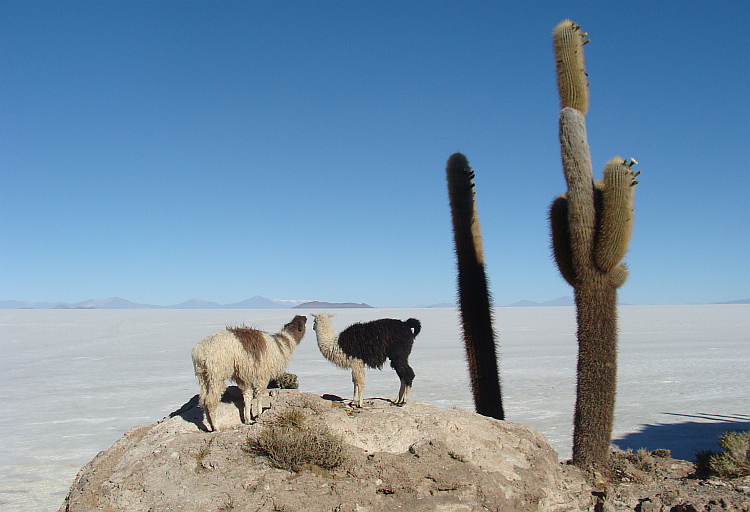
[{"x": 160, "y": 151}]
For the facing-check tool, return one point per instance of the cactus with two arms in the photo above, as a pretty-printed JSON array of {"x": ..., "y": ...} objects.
[{"x": 591, "y": 225}]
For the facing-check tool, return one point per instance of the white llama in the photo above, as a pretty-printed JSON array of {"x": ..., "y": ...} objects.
[{"x": 247, "y": 356}]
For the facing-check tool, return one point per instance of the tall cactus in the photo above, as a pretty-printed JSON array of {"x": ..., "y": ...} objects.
[
  {"x": 591, "y": 226},
  {"x": 474, "y": 298}
]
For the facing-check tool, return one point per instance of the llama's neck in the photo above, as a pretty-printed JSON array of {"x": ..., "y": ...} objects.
[
  {"x": 286, "y": 344},
  {"x": 329, "y": 346}
]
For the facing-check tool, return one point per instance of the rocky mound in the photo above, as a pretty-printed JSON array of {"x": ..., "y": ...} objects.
[{"x": 416, "y": 458}]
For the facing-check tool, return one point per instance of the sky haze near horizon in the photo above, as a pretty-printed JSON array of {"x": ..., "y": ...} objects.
[{"x": 296, "y": 150}]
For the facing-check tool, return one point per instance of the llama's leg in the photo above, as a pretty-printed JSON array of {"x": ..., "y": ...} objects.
[
  {"x": 406, "y": 374},
  {"x": 247, "y": 400},
  {"x": 403, "y": 393},
  {"x": 257, "y": 402},
  {"x": 248, "y": 396},
  {"x": 210, "y": 401},
  {"x": 358, "y": 378}
]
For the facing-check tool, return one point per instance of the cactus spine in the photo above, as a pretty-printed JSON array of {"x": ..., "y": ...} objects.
[
  {"x": 473, "y": 295},
  {"x": 591, "y": 226}
]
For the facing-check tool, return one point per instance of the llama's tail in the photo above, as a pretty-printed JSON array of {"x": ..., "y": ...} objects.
[{"x": 415, "y": 325}]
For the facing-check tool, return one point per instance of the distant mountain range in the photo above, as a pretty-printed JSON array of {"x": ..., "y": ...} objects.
[
  {"x": 258, "y": 302},
  {"x": 330, "y": 305},
  {"x": 741, "y": 301},
  {"x": 562, "y": 301}
]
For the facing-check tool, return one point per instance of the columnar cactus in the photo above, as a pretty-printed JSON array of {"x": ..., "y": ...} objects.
[
  {"x": 473, "y": 295},
  {"x": 591, "y": 226}
]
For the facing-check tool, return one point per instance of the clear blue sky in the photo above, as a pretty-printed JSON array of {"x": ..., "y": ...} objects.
[{"x": 160, "y": 151}]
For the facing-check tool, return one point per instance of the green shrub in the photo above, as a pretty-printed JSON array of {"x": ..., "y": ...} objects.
[
  {"x": 734, "y": 461},
  {"x": 291, "y": 444}
]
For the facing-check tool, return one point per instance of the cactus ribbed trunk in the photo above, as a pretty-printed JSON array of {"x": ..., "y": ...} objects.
[
  {"x": 591, "y": 226},
  {"x": 473, "y": 294},
  {"x": 596, "y": 373}
]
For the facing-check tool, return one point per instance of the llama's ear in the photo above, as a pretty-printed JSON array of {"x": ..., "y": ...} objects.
[{"x": 331, "y": 315}]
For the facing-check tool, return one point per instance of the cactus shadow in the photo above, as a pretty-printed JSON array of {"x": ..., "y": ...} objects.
[{"x": 686, "y": 438}]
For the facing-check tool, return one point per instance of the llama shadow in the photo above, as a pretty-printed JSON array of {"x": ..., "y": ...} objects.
[
  {"x": 338, "y": 399},
  {"x": 387, "y": 400},
  {"x": 192, "y": 412},
  {"x": 687, "y": 438}
]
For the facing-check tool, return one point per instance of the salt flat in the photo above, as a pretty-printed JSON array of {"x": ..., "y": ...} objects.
[{"x": 73, "y": 381}]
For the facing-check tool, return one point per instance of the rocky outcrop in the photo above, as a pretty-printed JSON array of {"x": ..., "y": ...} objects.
[{"x": 417, "y": 457}]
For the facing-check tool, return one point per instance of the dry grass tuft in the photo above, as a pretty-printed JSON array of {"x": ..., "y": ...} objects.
[{"x": 290, "y": 443}]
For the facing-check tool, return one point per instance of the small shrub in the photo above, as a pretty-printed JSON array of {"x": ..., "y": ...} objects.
[
  {"x": 627, "y": 466},
  {"x": 284, "y": 381},
  {"x": 703, "y": 462},
  {"x": 643, "y": 460},
  {"x": 201, "y": 455},
  {"x": 457, "y": 456},
  {"x": 199, "y": 459},
  {"x": 734, "y": 461},
  {"x": 662, "y": 453},
  {"x": 290, "y": 444}
]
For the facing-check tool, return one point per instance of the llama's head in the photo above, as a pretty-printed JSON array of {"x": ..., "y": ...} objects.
[
  {"x": 296, "y": 327},
  {"x": 321, "y": 317}
]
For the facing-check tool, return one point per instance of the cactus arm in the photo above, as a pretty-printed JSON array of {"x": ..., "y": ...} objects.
[
  {"x": 558, "y": 221},
  {"x": 619, "y": 275},
  {"x": 616, "y": 225},
  {"x": 572, "y": 84}
]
